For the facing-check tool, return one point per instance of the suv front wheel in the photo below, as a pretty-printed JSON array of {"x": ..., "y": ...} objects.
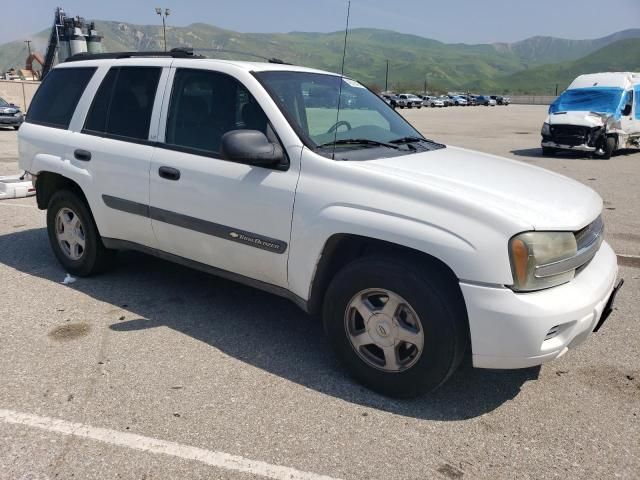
[
  {"x": 74, "y": 237},
  {"x": 397, "y": 326}
]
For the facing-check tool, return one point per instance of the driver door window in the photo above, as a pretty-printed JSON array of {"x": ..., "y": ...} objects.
[{"x": 204, "y": 106}]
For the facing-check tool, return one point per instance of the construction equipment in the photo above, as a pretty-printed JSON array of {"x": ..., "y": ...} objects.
[{"x": 69, "y": 36}]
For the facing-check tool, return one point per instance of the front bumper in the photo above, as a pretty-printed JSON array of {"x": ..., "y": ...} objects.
[
  {"x": 519, "y": 330},
  {"x": 581, "y": 148},
  {"x": 11, "y": 120}
]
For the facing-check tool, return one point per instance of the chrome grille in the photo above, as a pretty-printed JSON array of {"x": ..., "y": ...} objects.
[
  {"x": 590, "y": 233},
  {"x": 588, "y": 241},
  {"x": 572, "y": 135}
]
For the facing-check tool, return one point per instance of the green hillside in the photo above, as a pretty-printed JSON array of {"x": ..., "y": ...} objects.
[
  {"x": 413, "y": 59},
  {"x": 537, "y": 51},
  {"x": 621, "y": 56}
]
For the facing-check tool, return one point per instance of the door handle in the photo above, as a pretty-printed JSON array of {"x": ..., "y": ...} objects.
[
  {"x": 82, "y": 155},
  {"x": 169, "y": 173}
]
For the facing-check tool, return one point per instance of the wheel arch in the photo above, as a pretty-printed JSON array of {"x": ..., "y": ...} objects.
[
  {"x": 48, "y": 183},
  {"x": 342, "y": 248}
]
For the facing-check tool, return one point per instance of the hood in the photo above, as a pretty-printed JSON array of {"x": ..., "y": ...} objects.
[
  {"x": 582, "y": 119},
  {"x": 522, "y": 193}
]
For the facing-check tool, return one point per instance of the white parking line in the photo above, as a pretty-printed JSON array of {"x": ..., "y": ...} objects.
[
  {"x": 17, "y": 205},
  {"x": 153, "y": 445}
]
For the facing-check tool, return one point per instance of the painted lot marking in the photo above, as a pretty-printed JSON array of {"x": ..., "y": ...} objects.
[
  {"x": 19, "y": 205},
  {"x": 154, "y": 445}
]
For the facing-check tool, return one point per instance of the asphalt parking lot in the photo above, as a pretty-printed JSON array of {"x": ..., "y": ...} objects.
[{"x": 154, "y": 371}]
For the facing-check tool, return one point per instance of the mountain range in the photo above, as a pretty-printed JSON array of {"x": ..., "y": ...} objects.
[{"x": 529, "y": 66}]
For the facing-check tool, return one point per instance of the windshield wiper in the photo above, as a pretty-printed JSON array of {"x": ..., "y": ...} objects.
[
  {"x": 410, "y": 140},
  {"x": 358, "y": 141}
]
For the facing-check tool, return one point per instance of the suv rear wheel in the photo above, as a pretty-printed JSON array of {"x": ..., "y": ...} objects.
[
  {"x": 73, "y": 235},
  {"x": 395, "y": 325}
]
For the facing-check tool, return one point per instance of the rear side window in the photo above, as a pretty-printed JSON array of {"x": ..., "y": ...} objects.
[
  {"x": 58, "y": 96},
  {"x": 96, "y": 121},
  {"x": 123, "y": 104}
]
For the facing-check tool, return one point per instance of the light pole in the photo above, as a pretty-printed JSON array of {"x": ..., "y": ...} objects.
[
  {"x": 164, "y": 15},
  {"x": 386, "y": 78}
]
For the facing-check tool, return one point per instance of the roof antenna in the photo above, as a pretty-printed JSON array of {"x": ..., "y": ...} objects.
[{"x": 344, "y": 54}]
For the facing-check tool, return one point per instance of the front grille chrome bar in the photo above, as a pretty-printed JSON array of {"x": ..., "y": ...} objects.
[{"x": 589, "y": 241}]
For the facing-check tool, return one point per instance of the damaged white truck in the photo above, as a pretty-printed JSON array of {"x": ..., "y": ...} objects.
[{"x": 599, "y": 113}]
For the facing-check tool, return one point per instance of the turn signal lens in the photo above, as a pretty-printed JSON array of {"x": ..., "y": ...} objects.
[{"x": 520, "y": 260}]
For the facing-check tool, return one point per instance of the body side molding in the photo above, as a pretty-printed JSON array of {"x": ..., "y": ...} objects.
[{"x": 197, "y": 224}]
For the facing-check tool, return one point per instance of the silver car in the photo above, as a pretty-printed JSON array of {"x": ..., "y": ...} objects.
[{"x": 10, "y": 114}]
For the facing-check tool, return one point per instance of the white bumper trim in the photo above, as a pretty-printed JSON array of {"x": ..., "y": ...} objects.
[{"x": 508, "y": 329}]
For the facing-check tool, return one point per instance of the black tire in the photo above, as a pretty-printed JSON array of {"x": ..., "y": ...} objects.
[
  {"x": 548, "y": 151},
  {"x": 607, "y": 148},
  {"x": 438, "y": 304},
  {"x": 95, "y": 256}
]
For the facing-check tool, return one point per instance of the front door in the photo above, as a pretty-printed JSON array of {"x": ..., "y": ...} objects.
[
  {"x": 228, "y": 215},
  {"x": 631, "y": 123}
]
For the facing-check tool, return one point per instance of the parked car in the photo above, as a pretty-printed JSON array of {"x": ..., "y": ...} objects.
[
  {"x": 458, "y": 100},
  {"x": 391, "y": 99},
  {"x": 446, "y": 100},
  {"x": 10, "y": 115},
  {"x": 500, "y": 100},
  {"x": 432, "y": 101},
  {"x": 596, "y": 114},
  {"x": 485, "y": 100},
  {"x": 408, "y": 100},
  {"x": 471, "y": 99},
  {"x": 386, "y": 98},
  {"x": 412, "y": 252}
]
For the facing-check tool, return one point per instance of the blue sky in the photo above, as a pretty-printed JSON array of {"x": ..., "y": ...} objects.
[{"x": 468, "y": 21}]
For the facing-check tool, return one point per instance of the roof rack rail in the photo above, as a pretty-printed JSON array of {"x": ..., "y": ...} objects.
[
  {"x": 173, "y": 53},
  {"x": 248, "y": 54}
]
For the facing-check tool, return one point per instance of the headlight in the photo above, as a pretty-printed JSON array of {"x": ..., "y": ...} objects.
[
  {"x": 546, "y": 130},
  {"x": 530, "y": 250}
]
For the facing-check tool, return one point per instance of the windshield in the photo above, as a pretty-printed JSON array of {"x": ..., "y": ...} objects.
[
  {"x": 3, "y": 102},
  {"x": 594, "y": 99},
  {"x": 310, "y": 103}
]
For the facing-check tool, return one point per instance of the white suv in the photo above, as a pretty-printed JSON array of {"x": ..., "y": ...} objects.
[{"x": 412, "y": 251}]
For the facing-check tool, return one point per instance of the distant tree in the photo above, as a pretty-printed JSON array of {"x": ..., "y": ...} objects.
[{"x": 375, "y": 87}]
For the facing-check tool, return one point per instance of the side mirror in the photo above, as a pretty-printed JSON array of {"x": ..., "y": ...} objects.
[
  {"x": 252, "y": 148},
  {"x": 626, "y": 110}
]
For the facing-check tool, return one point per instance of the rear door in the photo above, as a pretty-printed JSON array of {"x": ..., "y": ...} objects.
[
  {"x": 115, "y": 144},
  {"x": 228, "y": 215}
]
